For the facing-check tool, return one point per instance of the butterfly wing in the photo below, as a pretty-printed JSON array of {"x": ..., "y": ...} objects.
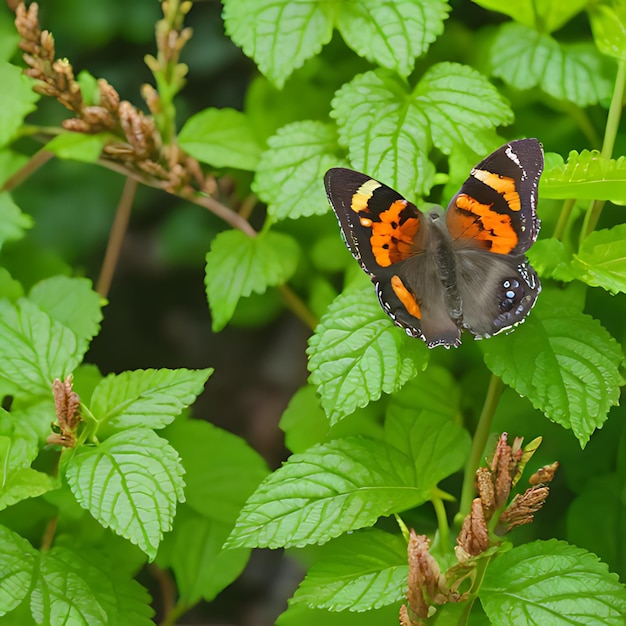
[
  {"x": 388, "y": 236},
  {"x": 492, "y": 221}
]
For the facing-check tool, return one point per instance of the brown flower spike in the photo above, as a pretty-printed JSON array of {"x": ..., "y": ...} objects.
[{"x": 67, "y": 403}]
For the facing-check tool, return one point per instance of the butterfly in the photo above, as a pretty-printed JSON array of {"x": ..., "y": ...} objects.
[{"x": 442, "y": 272}]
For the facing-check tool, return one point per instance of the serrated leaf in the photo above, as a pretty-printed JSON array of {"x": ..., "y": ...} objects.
[
  {"x": 302, "y": 615},
  {"x": 586, "y": 176},
  {"x": 551, "y": 260},
  {"x": 601, "y": 259},
  {"x": 25, "y": 483},
  {"x": 78, "y": 146},
  {"x": 304, "y": 421},
  {"x": 17, "y": 100},
  {"x": 573, "y": 587},
  {"x": 524, "y": 58},
  {"x": 129, "y": 483},
  {"x": 608, "y": 24},
  {"x": 238, "y": 265},
  {"x": 565, "y": 362},
  {"x": 151, "y": 398},
  {"x": 221, "y": 138},
  {"x": 391, "y": 34},
  {"x": 362, "y": 571},
  {"x": 278, "y": 34},
  {"x": 356, "y": 354},
  {"x": 13, "y": 222},
  {"x": 71, "y": 301},
  {"x": 330, "y": 489},
  {"x": 222, "y": 470},
  {"x": 450, "y": 106},
  {"x": 34, "y": 348},
  {"x": 18, "y": 562},
  {"x": 291, "y": 169},
  {"x": 548, "y": 15}
]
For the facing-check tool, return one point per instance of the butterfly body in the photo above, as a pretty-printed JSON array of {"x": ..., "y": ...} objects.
[{"x": 438, "y": 273}]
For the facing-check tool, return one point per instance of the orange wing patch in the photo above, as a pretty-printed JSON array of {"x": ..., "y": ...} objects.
[
  {"x": 392, "y": 237},
  {"x": 406, "y": 297},
  {"x": 363, "y": 195},
  {"x": 503, "y": 185},
  {"x": 478, "y": 222}
]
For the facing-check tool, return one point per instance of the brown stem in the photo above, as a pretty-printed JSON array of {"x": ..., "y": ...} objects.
[
  {"x": 297, "y": 307},
  {"x": 167, "y": 586},
  {"x": 48, "y": 535},
  {"x": 34, "y": 163},
  {"x": 116, "y": 237}
]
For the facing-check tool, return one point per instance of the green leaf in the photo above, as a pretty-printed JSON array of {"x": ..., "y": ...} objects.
[
  {"x": 71, "y": 589},
  {"x": 151, "y": 398},
  {"x": 71, "y": 301},
  {"x": 608, "y": 24},
  {"x": 222, "y": 470},
  {"x": 525, "y": 58},
  {"x": 450, "y": 107},
  {"x": 278, "y": 34},
  {"x": 289, "y": 177},
  {"x": 25, "y": 483},
  {"x": 547, "y": 15},
  {"x": 330, "y": 489},
  {"x": 565, "y": 362},
  {"x": 362, "y": 571},
  {"x": 78, "y": 146},
  {"x": 304, "y": 421},
  {"x": 18, "y": 563},
  {"x": 437, "y": 446},
  {"x": 221, "y": 138},
  {"x": 129, "y": 483},
  {"x": 551, "y": 260},
  {"x": 34, "y": 348},
  {"x": 17, "y": 100},
  {"x": 301, "y": 615},
  {"x": 586, "y": 176},
  {"x": 391, "y": 34},
  {"x": 551, "y": 582},
  {"x": 601, "y": 259},
  {"x": 202, "y": 569},
  {"x": 357, "y": 353},
  {"x": 9, "y": 39},
  {"x": 13, "y": 222},
  {"x": 238, "y": 265}
]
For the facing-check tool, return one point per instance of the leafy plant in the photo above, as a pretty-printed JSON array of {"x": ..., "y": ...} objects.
[{"x": 386, "y": 435}]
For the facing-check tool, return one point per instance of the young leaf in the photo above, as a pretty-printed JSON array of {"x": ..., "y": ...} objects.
[
  {"x": 302, "y": 615},
  {"x": 150, "y": 398},
  {"x": 304, "y": 421},
  {"x": 356, "y": 354},
  {"x": 71, "y": 301},
  {"x": 238, "y": 265},
  {"x": 34, "y": 348},
  {"x": 600, "y": 259},
  {"x": 391, "y": 34},
  {"x": 129, "y": 483},
  {"x": 234, "y": 467},
  {"x": 78, "y": 146},
  {"x": 13, "y": 222},
  {"x": 17, "y": 100},
  {"x": 289, "y": 176},
  {"x": 221, "y": 138},
  {"x": 551, "y": 582},
  {"x": 449, "y": 107},
  {"x": 362, "y": 571},
  {"x": 278, "y": 34},
  {"x": 18, "y": 563},
  {"x": 330, "y": 489},
  {"x": 586, "y": 176},
  {"x": 525, "y": 58},
  {"x": 24, "y": 483},
  {"x": 608, "y": 23},
  {"x": 565, "y": 362}
]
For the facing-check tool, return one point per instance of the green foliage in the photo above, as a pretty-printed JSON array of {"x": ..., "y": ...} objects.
[{"x": 384, "y": 431}]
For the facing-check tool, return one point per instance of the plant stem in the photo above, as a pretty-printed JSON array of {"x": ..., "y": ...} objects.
[
  {"x": 297, "y": 306},
  {"x": 442, "y": 524},
  {"x": 34, "y": 163},
  {"x": 610, "y": 132},
  {"x": 481, "y": 569},
  {"x": 480, "y": 441},
  {"x": 116, "y": 237},
  {"x": 564, "y": 215}
]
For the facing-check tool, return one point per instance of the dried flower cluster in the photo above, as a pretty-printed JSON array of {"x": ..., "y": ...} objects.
[
  {"x": 135, "y": 140},
  {"x": 427, "y": 585},
  {"x": 66, "y": 403}
]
